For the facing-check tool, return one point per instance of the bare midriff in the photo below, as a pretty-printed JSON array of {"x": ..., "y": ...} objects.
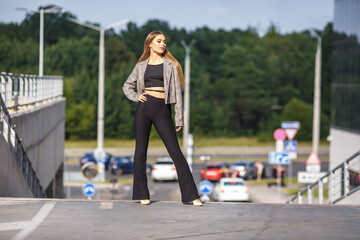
[{"x": 158, "y": 92}]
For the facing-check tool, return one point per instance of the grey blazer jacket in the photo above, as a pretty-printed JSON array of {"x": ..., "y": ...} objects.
[{"x": 173, "y": 93}]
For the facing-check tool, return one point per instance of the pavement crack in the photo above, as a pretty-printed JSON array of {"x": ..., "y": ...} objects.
[{"x": 264, "y": 228}]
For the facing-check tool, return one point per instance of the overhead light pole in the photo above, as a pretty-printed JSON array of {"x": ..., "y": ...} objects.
[
  {"x": 317, "y": 96},
  {"x": 100, "y": 152},
  {"x": 187, "y": 97},
  {"x": 42, "y": 11}
]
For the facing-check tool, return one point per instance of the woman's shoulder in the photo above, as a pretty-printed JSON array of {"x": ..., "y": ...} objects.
[
  {"x": 167, "y": 61},
  {"x": 140, "y": 65},
  {"x": 143, "y": 62}
]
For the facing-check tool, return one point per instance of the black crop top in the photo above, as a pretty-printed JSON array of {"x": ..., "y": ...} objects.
[{"x": 154, "y": 76}]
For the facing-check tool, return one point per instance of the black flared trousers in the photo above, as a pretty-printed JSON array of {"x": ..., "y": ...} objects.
[{"x": 155, "y": 111}]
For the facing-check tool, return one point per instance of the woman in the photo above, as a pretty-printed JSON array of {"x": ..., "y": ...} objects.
[{"x": 158, "y": 79}]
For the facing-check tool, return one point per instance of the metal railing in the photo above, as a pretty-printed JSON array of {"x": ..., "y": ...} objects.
[
  {"x": 7, "y": 130},
  {"x": 20, "y": 90},
  {"x": 334, "y": 186}
]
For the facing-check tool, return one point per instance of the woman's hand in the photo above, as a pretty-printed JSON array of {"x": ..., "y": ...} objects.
[
  {"x": 178, "y": 128},
  {"x": 142, "y": 97}
]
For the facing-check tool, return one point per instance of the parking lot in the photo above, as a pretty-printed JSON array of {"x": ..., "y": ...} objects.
[{"x": 169, "y": 190}]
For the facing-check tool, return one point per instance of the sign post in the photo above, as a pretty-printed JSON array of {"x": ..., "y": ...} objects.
[
  {"x": 313, "y": 170},
  {"x": 190, "y": 151},
  {"x": 313, "y": 163},
  {"x": 279, "y": 136},
  {"x": 291, "y": 149},
  {"x": 89, "y": 190},
  {"x": 291, "y": 129},
  {"x": 205, "y": 188}
]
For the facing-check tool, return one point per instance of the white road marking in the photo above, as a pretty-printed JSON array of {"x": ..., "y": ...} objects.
[
  {"x": 29, "y": 226},
  {"x": 13, "y": 225},
  {"x": 13, "y": 203},
  {"x": 127, "y": 188}
]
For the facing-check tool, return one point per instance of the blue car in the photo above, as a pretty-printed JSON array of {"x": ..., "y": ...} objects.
[
  {"x": 121, "y": 165},
  {"x": 89, "y": 157}
]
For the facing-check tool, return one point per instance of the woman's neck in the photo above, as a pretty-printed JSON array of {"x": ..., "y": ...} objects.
[{"x": 155, "y": 58}]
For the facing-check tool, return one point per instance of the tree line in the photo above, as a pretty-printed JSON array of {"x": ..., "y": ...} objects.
[{"x": 242, "y": 84}]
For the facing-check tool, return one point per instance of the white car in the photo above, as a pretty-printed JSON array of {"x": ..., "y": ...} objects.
[
  {"x": 231, "y": 189},
  {"x": 164, "y": 169}
]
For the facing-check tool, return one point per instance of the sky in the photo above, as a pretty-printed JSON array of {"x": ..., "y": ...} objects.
[{"x": 287, "y": 15}]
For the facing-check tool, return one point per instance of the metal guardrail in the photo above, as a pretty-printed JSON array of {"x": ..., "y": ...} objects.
[
  {"x": 7, "y": 130},
  {"x": 344, "y": 180},
  {"x": 20, "y": 90}
]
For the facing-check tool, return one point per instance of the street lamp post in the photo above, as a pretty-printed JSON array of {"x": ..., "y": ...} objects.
[
  {"x": 187, "y": 97},
  {"x": 317, "y": 97},
  {"x": 99, "y": 153},
  {"x": 42, "y": 11}
]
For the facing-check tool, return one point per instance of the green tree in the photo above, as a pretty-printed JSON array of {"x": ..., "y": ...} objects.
[{"x": 297, "y": 110}]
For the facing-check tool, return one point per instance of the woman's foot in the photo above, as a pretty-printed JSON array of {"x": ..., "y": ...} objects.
[
  {"x": 145, "y": 202},
  {"x": 197, "y": 202}
]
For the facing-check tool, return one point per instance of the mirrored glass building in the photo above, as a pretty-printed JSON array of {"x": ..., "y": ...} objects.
[{"x": 345, "y": 119}]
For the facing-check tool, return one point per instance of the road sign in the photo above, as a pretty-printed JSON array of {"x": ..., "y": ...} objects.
[
  {"x": 291, "y": 149},
  {"x": 89, "y": 170},
  {"x": 310, "y": 177},
  {"x": 279, "y": 134},
  {"x": 313, "y": 159},
  {"x": 206, "y": 187},
  {"x": 204, "y": 198},
  {"x": 279, "y": 158},
  {"x": 290, "y": 133},
  {"x": 313, "y": 168},
  {"x": 292, "y": 155},
  {"x": 89, "y": 190},
  {"x": 291, "y": 146},
  {"x": 279, "y": 146},
  {"x": 290, "y": 125}
]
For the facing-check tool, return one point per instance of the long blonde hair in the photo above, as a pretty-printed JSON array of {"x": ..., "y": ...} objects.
[{"x": 150, "y": 37}]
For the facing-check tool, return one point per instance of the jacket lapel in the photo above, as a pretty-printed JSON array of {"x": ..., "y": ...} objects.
[
  {"x": 167, "y": 74},
  {"x": 142, "y": 69}
]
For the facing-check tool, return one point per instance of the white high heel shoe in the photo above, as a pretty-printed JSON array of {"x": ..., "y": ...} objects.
[
  {"x": 145, "y": 202},
  {"x": 197, "y": 202}
]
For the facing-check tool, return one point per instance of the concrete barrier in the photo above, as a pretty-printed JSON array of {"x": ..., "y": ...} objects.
[
  {"x": 42, "y": 130},
  {"x": 12, "y": 182}
]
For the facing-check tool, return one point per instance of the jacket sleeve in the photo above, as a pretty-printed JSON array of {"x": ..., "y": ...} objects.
[
  {"x": 179, "y": 116},
  {"x": 129, "y": 86}
]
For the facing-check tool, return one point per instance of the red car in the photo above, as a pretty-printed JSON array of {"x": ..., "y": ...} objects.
[{"x": 215, "y": 171}]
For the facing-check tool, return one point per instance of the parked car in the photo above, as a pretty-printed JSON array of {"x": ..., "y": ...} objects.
[
  {"x": 231, "y": 189},
  {"x": 89, "y": 157},
  {"x": 148, "y": 168},
  {"x": 121, "y": 165},
  {"x": 164, "y": 169},
  {"x": 214, "y": 171},
  {"x": 244, "y": 169}
]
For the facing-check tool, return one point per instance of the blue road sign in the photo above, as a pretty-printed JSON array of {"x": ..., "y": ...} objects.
[
  {"x": 291, "y": 146},
  {"x": 206, "y": 187},
  {"x": 290, "y": 125},
  {"x": 89, "y": 190},
  {"x": 279, "y": 158}
]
